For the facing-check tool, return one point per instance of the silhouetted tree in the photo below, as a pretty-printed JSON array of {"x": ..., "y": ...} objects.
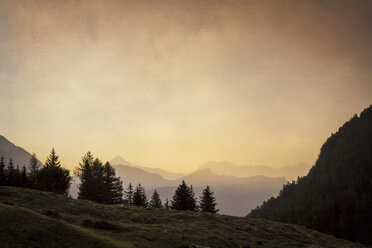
[
  {"x": 33, "y": 168},
  {"x": 23, "y": 177},
  {"x": 2, "y": 171},
  {"x": 155, "y": 200},
  {"x": 166, "y": 205},
  {"x": 113, "y": 185},
  {"x": 98, "y": 182},
  {"x": 129, "y": 194},
  {"x": 139, "y": 196},
  {"x": 184, "y": 198},
  {"x": 208, "y": 201},
  {"x": 10, "y": 173},
  {"x": 53, "y": 177}
]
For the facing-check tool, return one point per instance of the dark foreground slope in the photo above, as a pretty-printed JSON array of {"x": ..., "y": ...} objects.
[
  {"x": 336, "y": 195},
  {"x": 30, "y": 218}
]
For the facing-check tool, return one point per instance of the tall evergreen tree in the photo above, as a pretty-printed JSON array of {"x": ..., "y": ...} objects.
[
  {"x": 155, "y": 201},
  {"x": 24, "y": 182},
  {"x": 129, "y": 194},
  {"x": 53, "y": 177},
  {"x": 98, "y": 182},
  {"x": 166, "y": 205},
  {"x": 113, "y": 185},
  {"x": 208, "y": 201},
  {"x": 10, "y": 174},
  {"x": 139, "y": 196},
  {"x": 33, "y": 168},
  {"x": 184, "y": 198},
  {"x": 84, "y": 172},
  {"x": 2, "y": 171}
]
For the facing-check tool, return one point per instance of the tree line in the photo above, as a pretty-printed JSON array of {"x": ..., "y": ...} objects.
[
  {"x": 99, "y": 183},
  {"x": 336, "y": 195}
]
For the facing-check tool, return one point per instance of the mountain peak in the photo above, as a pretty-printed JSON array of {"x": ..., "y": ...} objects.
[{"x": 119, "y": 160}]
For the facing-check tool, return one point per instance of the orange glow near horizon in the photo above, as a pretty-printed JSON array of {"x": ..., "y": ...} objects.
[{"x": 173, "y": 84}]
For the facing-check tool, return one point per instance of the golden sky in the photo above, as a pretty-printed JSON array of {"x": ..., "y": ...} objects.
[{"x": 173, "y": 84}]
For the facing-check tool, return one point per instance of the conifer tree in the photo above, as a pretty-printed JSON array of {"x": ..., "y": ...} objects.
[
  {"x": 129, "y": 194},
  {"x": 208, "y": 201},
  {"x": 33, "y": 168},
  {"x": 10, "y": 174},
  {"x": 53, "y": 177},
  {"x": 98, "y": 182},
  {"x": 113, "y": 185},
  {"x": 166, "y": 205},
  {"x": 139, "y": 196},
  {"x": 184, "y": 198},
  {"x": 84, "y": 172},
  {"x": 155, "y": 200},
  {"x": 23, "y": 176},
  {"x": 2, "y": 171}
]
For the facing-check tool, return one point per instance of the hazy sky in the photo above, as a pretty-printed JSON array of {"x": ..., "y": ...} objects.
[{"x": 174, "y": 84}]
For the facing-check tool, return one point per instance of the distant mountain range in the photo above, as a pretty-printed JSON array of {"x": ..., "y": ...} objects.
[
  {"x": 231, "y": 169},
  {"x": 237, "y": 192},
  {"x": 10, "y": 151},
  {"x": 118, "y": 160}
]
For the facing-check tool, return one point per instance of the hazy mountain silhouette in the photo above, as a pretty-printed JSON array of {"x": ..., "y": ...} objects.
[
  {"x": 231, "y": 169},
  {"x": 118, "y": 160},
  {"x": 19, "y": 155},
  {"x": 336, "y": 195},
  {"x": 234, "y": 195}
]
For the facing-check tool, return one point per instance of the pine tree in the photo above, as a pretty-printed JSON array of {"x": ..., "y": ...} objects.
[
  {"x": 33, "y": 168},
  {"x": 129, "y": 194},
  {"x": 139, "y": 196},
  {"x": 10, "y": 173},
  {"x": 84, "y": 172},
  {"x": 24, "y": 176},
  {"x": 184, "y": 198},
  {"x": 52, "y": 159},
  {"x": 155, "y": 200},
  {"x": 113, "y": 185},
  {"x": 208, "y": 201},
  {"x": 166, "y": 205},
  {"x": 98, "y": 182},
  {"x": 53, "y": 177},
  {"x": 2, "y": 171}
]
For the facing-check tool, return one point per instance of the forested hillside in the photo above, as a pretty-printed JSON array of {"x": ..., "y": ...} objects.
[{"x": 336, "y": 195}]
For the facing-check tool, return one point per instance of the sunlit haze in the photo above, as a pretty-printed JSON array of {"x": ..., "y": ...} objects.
[{"x": 173, "y": 84}]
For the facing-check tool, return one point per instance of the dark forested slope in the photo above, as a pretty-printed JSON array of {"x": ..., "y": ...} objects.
[{"x": 336, "y": 195}]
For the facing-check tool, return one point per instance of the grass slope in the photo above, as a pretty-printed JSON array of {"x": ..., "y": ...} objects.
[{"x": 30, "y": 218}]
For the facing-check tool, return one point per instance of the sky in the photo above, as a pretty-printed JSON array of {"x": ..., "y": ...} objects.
[{"x": 173, "y": 84}]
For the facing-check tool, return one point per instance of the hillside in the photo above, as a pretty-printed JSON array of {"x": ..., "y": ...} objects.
[
  {"x": 30, "y": 218},
  {"x": 336, "y": 195},
  {"x": 19, "y": 155}
]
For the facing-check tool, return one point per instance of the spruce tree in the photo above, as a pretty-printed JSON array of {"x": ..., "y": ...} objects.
[
  {"x": 24, "y": 182},
  {"x": 129, "y": 194},
  {"x": 166, "y": 205},
  {"x": 33, "y": 168},
  {"x": 10, "y": 174},
  {"x": 98, "y": 182},
  {"x": 85, "y": 174},
  {"x": 113, "y": 185},
  {"x": 155, "y": 200},
  {"x": 139, "y": 196},
  {"x": 184, "y": 198},
  {"x": 208, "y": 201},
  {"x": 53, "y": 177},
  {"x": 2, "y": 171}
]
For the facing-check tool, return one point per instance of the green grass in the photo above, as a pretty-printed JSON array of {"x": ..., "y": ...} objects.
[{"x": 30, "y": 218}]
